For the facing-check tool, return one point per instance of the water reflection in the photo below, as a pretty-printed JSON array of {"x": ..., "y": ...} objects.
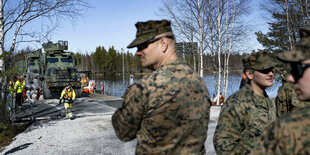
[{"x": 233, "y": 84}]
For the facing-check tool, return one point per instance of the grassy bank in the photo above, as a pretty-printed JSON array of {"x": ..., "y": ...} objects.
[{"x": 9, "y": 132}]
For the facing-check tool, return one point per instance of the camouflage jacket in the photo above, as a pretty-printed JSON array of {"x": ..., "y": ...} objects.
[
  {"x": 289, "y": 135},
  {"x": 167, "y": 111},
  {"x": 287, "y": 100},
  {"x": 243, "y": 117}
]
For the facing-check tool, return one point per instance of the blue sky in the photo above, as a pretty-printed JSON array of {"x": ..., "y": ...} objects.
[{"x": 111, "y": 23}]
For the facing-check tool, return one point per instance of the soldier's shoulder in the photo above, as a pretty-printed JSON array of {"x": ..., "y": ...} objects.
[
  {"x": 241, "y": 96},
  {"x": 239, "y": 100},
  {"x": 298, "y": 116}
]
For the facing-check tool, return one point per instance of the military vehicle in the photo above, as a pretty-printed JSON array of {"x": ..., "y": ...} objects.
[
  {"x": 33, "y": 60},
  {"x": 51, "y": 67},
  {"x": 28, "y": 63},
  {"x": 58, "y": 67}
]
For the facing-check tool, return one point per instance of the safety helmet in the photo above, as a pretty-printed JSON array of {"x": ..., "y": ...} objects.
[{"x": 68, "y": 84}]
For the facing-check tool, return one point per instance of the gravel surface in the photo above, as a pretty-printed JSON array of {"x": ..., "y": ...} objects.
[{"x": 89, "y": 133}]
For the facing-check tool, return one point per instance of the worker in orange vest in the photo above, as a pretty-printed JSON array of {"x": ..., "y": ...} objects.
[{"x": 68, "y": 95}]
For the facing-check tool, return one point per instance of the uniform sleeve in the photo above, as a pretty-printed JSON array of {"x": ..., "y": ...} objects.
[
  {"x": 271, "y": 141},
  {"x": 127, "y": 120},
  {"x": 73, "y": 94},
  {"x": 227, "y": 135},
  {"x": 62, "y": 94},
  {"x": 281, "y": 104}
]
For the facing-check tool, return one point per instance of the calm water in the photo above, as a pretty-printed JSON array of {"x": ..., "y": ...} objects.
[{"x": 114, "y": 85}]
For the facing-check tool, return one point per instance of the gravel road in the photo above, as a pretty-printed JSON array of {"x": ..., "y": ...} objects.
[{"x": 89, "y": 133}]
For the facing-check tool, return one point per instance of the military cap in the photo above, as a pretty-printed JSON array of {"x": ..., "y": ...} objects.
[
  {"x": 148, "y": 30},
  {"x": 258, "y": 61},
  {"x": 302, "y": 50}
]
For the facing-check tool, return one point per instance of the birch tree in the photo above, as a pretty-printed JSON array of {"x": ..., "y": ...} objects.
[
  {"x": 188, "y": 20},
  {"x": 224, "y": 17},
  {"x": 219, "y": 51},
  {"x": 211, "y": 29},
  {"x": 226, "y": 73},
  {"x": 288, "y": 25}
]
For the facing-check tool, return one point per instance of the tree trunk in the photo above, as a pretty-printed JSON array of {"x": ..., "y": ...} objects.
[
  {"x": 219, "y": 53},
  {"x": 229, "y": 49},
  {"x": 288, "y": 25},
  {"x": 1, "y": 37},
  {"x": 201, "y": 38},
  {"x": 225, "y": 69}
]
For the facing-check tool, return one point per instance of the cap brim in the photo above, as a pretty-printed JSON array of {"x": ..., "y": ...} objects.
[
  {"x": 140, "y": 40},
  {"x": 265, "y": 66},
  {"x": 291, "y": 56}
]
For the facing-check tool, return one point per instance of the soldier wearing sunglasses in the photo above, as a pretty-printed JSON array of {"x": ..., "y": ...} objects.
[
  {"x": 168, "y": 110},
  {"x": 247, "y": 112},
  {"x": 287, "y": 100},
  {"x": 291, "y": 134}
]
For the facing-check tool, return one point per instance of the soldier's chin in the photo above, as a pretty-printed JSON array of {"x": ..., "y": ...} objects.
[
  {"x": 148, "y": 66},
  {"x": 302, "y": 97}
]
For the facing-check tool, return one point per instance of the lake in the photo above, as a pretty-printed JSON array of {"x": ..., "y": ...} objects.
[{"x": 114, "y": 86}]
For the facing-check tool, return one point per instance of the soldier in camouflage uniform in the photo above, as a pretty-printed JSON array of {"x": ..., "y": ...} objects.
[
  {"x": 291, "y": 134},
  {"x": 246, "y": 113},
  {"x": 286, "y": 100},
  {"x": 168, "y": 110}
]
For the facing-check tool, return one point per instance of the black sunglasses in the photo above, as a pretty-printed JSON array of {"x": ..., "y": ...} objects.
[
  {"x": 298, "y": 69},
  {"x": 144, "y": 45},
  {"x": 266, "y": 71}
]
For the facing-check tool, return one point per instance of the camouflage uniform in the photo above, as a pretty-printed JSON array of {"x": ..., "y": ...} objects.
[
  {"x": 287, "y": 101},
  {"x": 244, "y": 115},
  {"x": 290, "y": 134},
  {"x": 167, "y": 111},
  {"x": 167, "y": 115}
]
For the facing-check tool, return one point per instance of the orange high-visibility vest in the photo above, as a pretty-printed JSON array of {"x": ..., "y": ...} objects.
[
  {"x": 244, "y": 76},
  {"x": 70, "y": 94}
]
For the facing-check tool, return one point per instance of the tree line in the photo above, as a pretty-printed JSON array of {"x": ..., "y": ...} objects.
[{"x": 110, "y": 62}]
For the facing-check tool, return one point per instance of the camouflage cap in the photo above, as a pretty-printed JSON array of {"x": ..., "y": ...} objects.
[
  {"x": 302, "y": 50},
  {"x": 148, "y": 30},
  {"x": 258, "y": 61}
]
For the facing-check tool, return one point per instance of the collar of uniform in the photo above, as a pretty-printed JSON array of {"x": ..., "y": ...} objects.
[
  {"x": 262, "y": 100},
  {"x": 172, "y": 62}
]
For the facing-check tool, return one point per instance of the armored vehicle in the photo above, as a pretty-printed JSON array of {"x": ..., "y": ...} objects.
[
  {"x": 33, "y": 60},
  {"x": 58, "y": 67},
  {"x": 28, "y": 63}
]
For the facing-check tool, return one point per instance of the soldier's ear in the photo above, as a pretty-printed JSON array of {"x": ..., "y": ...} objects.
[
  {"x": 164, "y": 44},
  {"x": 249, "y": 74}
]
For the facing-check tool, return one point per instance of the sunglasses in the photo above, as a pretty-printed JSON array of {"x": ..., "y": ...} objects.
[
  {"x": 144, "y": 45},
  {"x": 298, "y": 69},
  {"x": 266, "y": 71}
]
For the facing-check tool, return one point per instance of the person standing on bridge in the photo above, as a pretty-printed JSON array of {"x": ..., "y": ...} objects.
[
  {"x": 68, "y": 95},
  {"x": 168, "y": 110}
]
